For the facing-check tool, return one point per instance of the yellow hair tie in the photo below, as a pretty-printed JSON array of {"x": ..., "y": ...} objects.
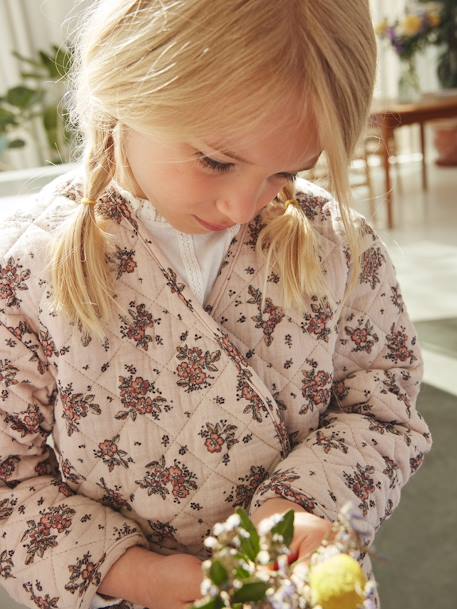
[
  {"x": 293, "y": 202},
  {"x": 86, "y": 201}
]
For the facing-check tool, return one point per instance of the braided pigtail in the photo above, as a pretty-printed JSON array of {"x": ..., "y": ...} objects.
[
  {"x": 289, "y": 244},
  {"x": 81, "y": 277}
]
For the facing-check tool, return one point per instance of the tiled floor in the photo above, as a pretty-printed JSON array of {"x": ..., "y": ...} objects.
[{"x": 423, "y": 246}]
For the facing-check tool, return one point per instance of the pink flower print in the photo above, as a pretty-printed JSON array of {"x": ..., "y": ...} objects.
[
  {"x": 88, "y": 571},
  {"x": 363, "y": 337},
  {"x": 372, "y": 262},
  {"x": 193, "y": 371},
  {"x": 214, "y": 443},
  {"x": 108, "y": 448},
  {"x": 54, "y": 520},
  {"x": 317, "y": 322},
  {"x": 33, "y": 419},
  {"x": 12, "y": 279}
]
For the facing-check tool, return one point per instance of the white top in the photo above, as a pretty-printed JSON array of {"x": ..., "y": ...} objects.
[{"x": 198, "y": 258}]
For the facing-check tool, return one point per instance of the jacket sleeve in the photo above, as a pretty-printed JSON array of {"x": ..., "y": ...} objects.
[
  {"x": 371, "y": 438},
  {"x": 55, "y": 546}
]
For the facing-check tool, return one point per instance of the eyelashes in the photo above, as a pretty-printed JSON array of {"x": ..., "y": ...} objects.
[
  {"x": 219, "y": 167},
  {"x": 206, "y": 161}
]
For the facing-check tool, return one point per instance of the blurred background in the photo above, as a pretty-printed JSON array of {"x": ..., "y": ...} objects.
[{"x": 404, "y": 177}]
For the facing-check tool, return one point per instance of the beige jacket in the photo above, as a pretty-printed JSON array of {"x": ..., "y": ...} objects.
[{"x": 183, "y": 413}]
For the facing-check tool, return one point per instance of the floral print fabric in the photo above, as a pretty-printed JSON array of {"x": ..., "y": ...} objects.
[{"x": 183, "y": 413}]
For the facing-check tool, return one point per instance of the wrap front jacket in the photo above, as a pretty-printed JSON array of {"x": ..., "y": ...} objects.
[{"x": 184, "y": 412}]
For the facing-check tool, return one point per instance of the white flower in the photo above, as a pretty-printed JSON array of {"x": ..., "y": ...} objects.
[
  {"x": 211, "y": 542},
  {"x": 247, "y": 566},
  {"x": 218, "y": 528},
  {"x": 207, "y": 588},
  {"x": 233, "y": 522},
  {"x": 263, "y": 557},
  {"x": 267, "y": 524}
]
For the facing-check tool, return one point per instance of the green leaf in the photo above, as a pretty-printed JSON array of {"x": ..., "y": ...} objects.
[
  {"x": 252, "y": 592},
  {"x": 17, "y": 143},
  {"x": 50, "y": 118},
  {"x": 214, "y": 603},
  {"x": 49, "y": 64},
  {"x": 285, "y": 527},
  {"x": 62, "y": 61},
  {"x": 241, "y": 573},
  {"x": 34, "y": 75},
  {"x": 31, "y": 62},
  {"x": 7, "y": 118},
  {"x": 249, "y": 546},
  {"x": 23, "y": 97},
  {"x": 218, "y": 573}
]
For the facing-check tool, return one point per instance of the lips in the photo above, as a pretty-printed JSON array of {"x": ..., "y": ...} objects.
[{"x": 216, "y": 227}]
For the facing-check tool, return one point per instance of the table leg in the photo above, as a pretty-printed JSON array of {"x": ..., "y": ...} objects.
[
  {"x": 387, "y": 134},
  {"x": 424, "y": 160}
]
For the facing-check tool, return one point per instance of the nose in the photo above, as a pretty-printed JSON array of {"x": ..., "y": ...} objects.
[{"x": 242, "y": 203}]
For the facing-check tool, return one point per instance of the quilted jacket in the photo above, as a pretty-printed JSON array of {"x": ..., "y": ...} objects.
[{"x": 184, "y": 412}]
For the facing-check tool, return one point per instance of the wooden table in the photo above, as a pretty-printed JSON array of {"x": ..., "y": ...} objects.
[{"x": 388, "y": 115}]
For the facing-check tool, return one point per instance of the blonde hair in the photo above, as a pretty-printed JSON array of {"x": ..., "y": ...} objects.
[{"x": 149, "y": 65}]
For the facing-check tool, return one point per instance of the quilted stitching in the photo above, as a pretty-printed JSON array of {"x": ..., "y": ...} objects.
[{"x": 180, "y": 416}]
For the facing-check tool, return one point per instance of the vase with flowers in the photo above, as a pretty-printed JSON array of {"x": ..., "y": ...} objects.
[
  {"x": 445, "y": 39},
  {"x": 408, "y": 36}
]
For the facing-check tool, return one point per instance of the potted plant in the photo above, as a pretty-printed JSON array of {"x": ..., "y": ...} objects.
[
  {"x": 445, "y": 37},
  {"x": 22, "y": 103}
]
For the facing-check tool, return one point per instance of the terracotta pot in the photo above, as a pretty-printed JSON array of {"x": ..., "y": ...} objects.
[{"x": 446, "y": 142}]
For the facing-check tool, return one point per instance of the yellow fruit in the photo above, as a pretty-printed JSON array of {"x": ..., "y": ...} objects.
[{"x": 338, "y": 583}]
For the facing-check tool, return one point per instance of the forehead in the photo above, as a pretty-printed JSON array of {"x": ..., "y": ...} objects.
[{"x": 285, "y": 140}]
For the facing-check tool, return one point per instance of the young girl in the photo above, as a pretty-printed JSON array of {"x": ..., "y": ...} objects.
[{"x": 190, "y": 325}]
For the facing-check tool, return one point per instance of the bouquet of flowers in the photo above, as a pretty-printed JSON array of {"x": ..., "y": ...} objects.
[
  {"x": 253, "y": 568},
  {"x": 412, "y": 33}
]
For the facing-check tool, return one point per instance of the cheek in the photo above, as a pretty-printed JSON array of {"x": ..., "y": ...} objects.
[{"x": 271, "y": 191}]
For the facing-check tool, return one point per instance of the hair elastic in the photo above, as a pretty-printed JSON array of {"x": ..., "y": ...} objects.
[
  {"x": 293, "y": 202},
  {"x": 86, "y": 201}
]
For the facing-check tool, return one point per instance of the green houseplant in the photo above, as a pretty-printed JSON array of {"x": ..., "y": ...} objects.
[
  {"x": 445, "y": 36},
  {"x": 38, "y": 95}
]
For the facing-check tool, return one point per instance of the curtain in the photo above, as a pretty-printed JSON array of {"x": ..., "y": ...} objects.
[{"x": 26, "y": 26}]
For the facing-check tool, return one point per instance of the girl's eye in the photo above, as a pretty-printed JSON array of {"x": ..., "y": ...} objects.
[
  {"x": 290, "y": 177},
  {"x": 216, "y": 165},
  {"x": 225, "y": 167}
]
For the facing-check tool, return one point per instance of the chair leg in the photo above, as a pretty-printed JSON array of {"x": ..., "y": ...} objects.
[{"x": 371, "y": 192}]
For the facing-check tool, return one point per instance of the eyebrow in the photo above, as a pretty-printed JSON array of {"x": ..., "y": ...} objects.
[{"x": 240, "y": 159}]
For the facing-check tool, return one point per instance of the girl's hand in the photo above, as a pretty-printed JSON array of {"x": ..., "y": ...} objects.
[
  {"x": 309, "y": 530},
  {"x": 175, "y": 582}
]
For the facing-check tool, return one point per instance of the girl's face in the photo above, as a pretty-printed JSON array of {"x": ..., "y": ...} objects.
[{"x": 218, "y": 182}]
